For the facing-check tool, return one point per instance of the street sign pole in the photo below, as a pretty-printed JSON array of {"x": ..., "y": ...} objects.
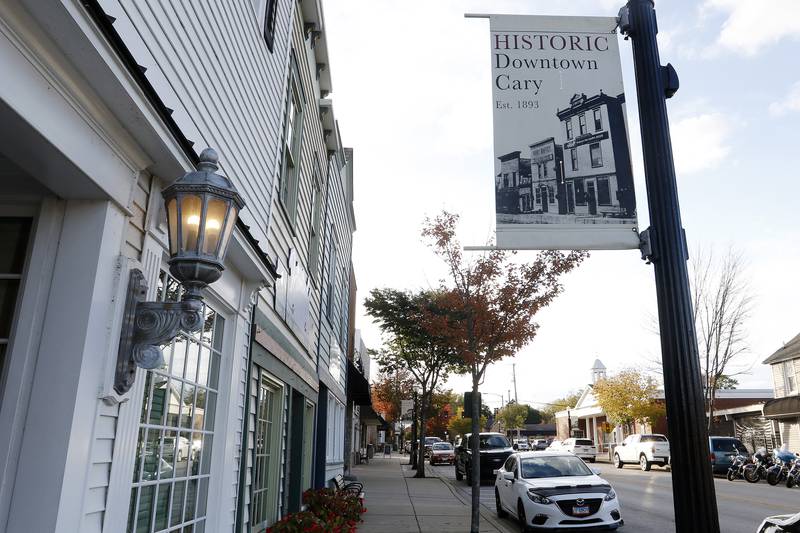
[{"x": 664, "y": 245}]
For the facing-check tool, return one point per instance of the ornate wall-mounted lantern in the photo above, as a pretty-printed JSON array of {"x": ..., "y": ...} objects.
[{"x": 202, "y": 207}]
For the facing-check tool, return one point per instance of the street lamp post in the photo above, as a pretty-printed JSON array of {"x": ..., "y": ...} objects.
[{"x": 664, "y": 245}]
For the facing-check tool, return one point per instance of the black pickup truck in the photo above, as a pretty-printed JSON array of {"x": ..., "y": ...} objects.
[{"x": 494, "y": 450}]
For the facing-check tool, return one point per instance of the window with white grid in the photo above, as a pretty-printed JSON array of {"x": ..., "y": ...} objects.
[
  {"x": 267, "y": 452},
  {"x": 172, "y": 469},
  {"x": 14, "y": 235}
]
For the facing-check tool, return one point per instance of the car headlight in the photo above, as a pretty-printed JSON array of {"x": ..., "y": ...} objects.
[
  {"x": 538, "y": 498},
  {"x": 610, "y": 496}
]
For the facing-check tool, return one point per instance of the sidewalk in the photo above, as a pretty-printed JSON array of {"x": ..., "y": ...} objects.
[{"x": 396, "y": 502}]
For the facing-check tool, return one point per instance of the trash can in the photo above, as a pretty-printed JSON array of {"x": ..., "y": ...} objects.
[
  {"x": 370, "y": 451},
  {"x": 387, "y": 450}
]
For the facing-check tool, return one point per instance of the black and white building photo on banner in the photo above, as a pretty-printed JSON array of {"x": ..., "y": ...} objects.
[{"x": 562, "y": 176}]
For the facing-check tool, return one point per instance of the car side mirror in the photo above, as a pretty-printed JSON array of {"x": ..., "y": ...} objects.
[
  {"x": 509, "y": 476},
  {"x": 515, "y": 447}
]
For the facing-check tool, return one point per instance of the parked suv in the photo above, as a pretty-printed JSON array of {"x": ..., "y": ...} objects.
[
  {"x": 494, "y": 450},
  {"x": 540, "y": 444},
  {"x": 646, "y": 450},
  {"x": 583, "y": 448},
  {"x": 723, "y": 451},
  {"x": 521, "y": 445}
]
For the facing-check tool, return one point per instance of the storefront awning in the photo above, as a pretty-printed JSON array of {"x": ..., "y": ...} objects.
[
  {"x": 371, "y": 418},
  {"x": 357, "y": 386},
  {"x": 783, "y": 407}
]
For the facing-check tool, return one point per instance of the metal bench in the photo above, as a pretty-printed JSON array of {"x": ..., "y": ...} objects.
[{"x": 352, "y": 487}]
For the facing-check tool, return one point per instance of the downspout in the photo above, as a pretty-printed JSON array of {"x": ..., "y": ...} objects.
[
  {"x": 245, "y": 427},
  {"x": 319, "y": 426}
]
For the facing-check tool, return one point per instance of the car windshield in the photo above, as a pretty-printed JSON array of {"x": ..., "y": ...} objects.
[
  {"x": 653, "y": 438},
  {"x": 728, "y": 445},
  {"x": 553, "y": 466},
  {"x": 431, "y": 440},
  {"x": 583, "y": 442},
  {"x": 442, "y": 446},
  {"x": 492, "y": 442}
]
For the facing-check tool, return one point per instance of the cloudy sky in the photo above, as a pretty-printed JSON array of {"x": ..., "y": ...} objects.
[{"x": 412, "y": 92}]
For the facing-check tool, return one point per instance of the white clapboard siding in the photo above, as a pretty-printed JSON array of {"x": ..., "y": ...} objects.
[
  {"x": 777, "y": 379},
  {"x": 135, "y": 230},
  {"x": 337, "y": 227},
  {"x": 101, "y": 454},
  {"x": 790, "y": 433},
  {"x": 209, "y": 63},
  {"x": 289, "y": 237},
  {"x": 244, "y": 354}
]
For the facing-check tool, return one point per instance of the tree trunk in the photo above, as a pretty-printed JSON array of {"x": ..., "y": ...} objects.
[
  {"x": 421, "y": 450},
  {"x": 475, "y": 460},
  {"x": 711, "y": 408}
]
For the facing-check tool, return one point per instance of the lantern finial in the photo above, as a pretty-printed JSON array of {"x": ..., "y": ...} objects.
[{"x": 208, "y": 160}]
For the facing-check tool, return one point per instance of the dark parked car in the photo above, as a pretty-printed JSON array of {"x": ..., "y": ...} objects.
[
  {"x": 723, "y": 451},
  {"x": 494, "y": 450}
]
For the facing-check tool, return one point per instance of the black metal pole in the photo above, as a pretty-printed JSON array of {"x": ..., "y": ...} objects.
[
  {"x": 692, "y": 482},
  {"x": 412, "y": 460}
]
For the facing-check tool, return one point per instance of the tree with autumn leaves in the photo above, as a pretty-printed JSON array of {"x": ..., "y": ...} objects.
[
  {"x": 513, "y": 415},
  {"x": 388, "y": 391},
  {"x": 412, "y": 346},
  {"x": 486, "y": 308},
  {"x": 629, "y": 397}
]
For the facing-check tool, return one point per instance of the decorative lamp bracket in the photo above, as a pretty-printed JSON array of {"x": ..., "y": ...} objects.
[{"x": 146, "y": 326}]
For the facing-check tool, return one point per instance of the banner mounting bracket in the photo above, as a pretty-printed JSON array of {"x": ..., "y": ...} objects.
[{"x": 646, "y": 239}]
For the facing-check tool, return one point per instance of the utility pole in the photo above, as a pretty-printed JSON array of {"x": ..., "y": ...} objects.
[
  {"x": 664, "y": 245},
  {"x": 514, "y": 376}
]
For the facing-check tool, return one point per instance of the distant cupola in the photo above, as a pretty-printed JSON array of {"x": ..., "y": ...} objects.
[{"x": 598, "y": 371}]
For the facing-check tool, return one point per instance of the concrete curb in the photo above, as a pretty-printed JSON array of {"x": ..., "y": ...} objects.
[{"x": 486, "y": 514}]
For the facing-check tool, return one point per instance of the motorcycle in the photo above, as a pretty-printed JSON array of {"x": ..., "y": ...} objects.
[
  {"x": 755, "y": 471},
  {"x": 784, "y": 460},
  {"x": 793, "y": 476},
  {"x": 781, "y": 523},
  {"x": 736, "y": 470}
]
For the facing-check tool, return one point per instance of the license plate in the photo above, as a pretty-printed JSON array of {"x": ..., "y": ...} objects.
[{"x": 580, "y": 510}]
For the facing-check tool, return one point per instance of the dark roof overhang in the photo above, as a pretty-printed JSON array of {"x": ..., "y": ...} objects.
[
  {"x": 788, "y": 406},
  {"x": 357, "y": 386},
  {"x": 790, "y": 350}
]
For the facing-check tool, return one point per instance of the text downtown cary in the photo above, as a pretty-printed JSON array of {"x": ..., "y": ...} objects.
[{"x": 541, "y": 42}]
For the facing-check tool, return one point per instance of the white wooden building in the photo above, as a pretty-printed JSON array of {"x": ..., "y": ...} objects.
[
  {"x": 784, "y": 410},
  {"x": 102, "y": 104}
]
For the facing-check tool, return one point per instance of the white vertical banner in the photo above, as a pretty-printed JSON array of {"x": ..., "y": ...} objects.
[{"x": 562, "y": 167}]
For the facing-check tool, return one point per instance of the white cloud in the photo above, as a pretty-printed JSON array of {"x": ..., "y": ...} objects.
[
  {"x": 701, "y": 142},
  {"x": 789, "y": 103},
  {"x": 752, "y": 25}
]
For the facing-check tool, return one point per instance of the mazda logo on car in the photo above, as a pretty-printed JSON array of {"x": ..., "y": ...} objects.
[{"x": 579, "y": 501}]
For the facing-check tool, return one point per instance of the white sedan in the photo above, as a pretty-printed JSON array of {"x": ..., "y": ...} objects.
[{"x": 555, "y": 490}]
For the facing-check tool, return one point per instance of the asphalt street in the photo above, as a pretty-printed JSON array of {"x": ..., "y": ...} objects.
[{"x": 646, "y": 499}]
